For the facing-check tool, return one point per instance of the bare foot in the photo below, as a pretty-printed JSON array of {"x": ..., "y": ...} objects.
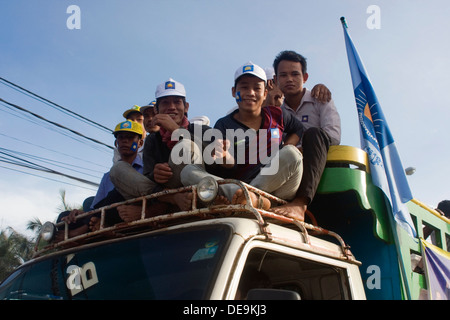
[
  {"x": 258, "y": 202},
  {"x": 295, "y": 210},
  {"x": 129, "y": 212},
  {"x": 59, "y": 236},
  {"x": 94, "y": 224},
  {"x": 183, "y": 200},
  {"x": 220, "y": 200}
]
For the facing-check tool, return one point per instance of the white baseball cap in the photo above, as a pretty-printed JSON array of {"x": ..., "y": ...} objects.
[
  {"x": 269, "y": 73},
  {"x": 250, "y": 68},
  {"x": 170, "y": 88},
  {"x": 200, "y": 120}
]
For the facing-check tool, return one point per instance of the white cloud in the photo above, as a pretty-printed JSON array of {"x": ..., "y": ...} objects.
[{"x": 30, "y": 198}]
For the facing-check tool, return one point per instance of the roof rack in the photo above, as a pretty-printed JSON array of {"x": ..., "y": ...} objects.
[{"x": 198, "y": 211}]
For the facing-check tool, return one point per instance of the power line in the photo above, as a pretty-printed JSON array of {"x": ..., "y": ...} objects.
[
  {"x": 54, "y": 123},
  {"x": 31, "y": 165},
  {"x": 29, "y": 118},
  {"x": 56, "y": 163},
  {"x": 35, "y": 175},
  {"x": 53, "y": 104},
  {"x": 54, "y": 151},
  {"x": 12, "y": 159}
]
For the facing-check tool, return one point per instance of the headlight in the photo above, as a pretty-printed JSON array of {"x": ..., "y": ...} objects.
[
  {"x": 207, "y": 189},
  {"x": 47, "y": 231}
]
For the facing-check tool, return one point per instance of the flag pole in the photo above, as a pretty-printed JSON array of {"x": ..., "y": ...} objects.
[
  {"x": 344, "y": 23},
  {"x": 392, "y": 222}
]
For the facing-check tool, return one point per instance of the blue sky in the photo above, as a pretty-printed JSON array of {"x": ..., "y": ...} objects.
[{"x": 124, "y": 49}]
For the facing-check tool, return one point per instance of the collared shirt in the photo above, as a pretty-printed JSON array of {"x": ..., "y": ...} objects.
[
  {"x": 106, "y": 184},
  {"x": 315, "y": 114},
  {"x": 116, "y": 156}
]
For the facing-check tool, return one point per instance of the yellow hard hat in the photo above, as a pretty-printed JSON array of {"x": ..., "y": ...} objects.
[
  {"x": 134, "y": 108},
  {"x": 129, "y": 126}
]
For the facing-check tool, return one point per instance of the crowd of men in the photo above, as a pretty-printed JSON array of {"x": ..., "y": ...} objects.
[{"x": 287, "y": 128}]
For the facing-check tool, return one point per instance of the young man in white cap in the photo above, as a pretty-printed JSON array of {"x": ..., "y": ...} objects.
[
  {"x": 159, "y": 171},
  {"x": 277, "y": 171},
  {"x": 321, "y": 121}
]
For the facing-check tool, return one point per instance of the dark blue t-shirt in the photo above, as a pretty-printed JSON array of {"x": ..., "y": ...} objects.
[{"x": 249, "y": 151}]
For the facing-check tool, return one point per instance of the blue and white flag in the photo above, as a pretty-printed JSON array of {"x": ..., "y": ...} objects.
[{"x": 376, "y": 139}]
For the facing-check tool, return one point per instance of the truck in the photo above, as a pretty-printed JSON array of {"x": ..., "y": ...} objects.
[{"x": 344, "y": 250}]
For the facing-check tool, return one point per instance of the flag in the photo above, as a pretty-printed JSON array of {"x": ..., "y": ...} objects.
[
  {"x": 437, "y": 270},
  {"x": 376, "y": 139}
]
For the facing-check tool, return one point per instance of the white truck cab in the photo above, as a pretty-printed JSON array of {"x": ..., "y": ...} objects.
[
  {"x": 283, "y": 259},
  {"x": 223, "y": 252}
]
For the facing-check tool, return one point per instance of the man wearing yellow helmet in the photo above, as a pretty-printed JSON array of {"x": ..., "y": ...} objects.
[
  {"x": 128, "y": 136},
  {"x": 135, "y": 114},
  {"x": 129, "y": 140}
]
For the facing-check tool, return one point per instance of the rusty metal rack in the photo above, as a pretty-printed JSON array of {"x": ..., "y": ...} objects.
[{"x": 197, "y": 211}]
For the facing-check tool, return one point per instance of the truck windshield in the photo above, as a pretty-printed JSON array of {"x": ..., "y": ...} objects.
[{"x": 171, "y": 265}]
